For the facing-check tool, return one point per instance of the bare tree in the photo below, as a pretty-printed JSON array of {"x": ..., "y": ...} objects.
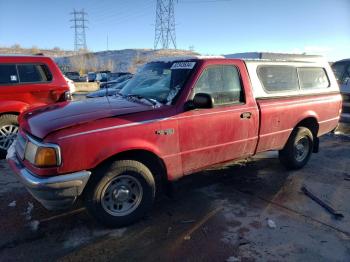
[
  {"x": 93, "y": 62},
  {"x": 79, "y": 63},
  {"x": 16, "y": 48},
  {"x": 34, "y": 50},
  {"x": 137, "y": 62},
  {"x": 109, "y": 65}
]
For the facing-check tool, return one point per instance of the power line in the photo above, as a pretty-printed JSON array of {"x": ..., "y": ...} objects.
[
  {"x": 165, "y": 24},
  {"x": 79, "y": 29}
]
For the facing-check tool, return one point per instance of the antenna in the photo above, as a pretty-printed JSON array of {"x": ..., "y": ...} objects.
[
  {"x": 79, "y": 29},
  {"x": 165, "y": 25}
]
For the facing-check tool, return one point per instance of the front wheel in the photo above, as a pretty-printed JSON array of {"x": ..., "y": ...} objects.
[
  {"x": 121, "y": 193},
  {"x": 8, "y": 132},
  {"x": 298, "y": 149}
]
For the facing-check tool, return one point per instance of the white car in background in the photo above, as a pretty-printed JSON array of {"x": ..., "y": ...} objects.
[{"x": 71, "y": 85}]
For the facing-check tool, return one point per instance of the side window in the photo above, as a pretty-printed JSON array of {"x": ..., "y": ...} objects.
[
  {"x": 8, "y": 74},
  {"x": 313, "y": 78},
  {"x": 47, "y": 73},
  {"x": 32, "y": 73},
  {"x": 278, "y": 78},
  {"x": 223, "y": 83}
]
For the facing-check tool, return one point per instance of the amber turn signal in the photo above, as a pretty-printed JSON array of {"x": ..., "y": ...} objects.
[{"x": 46, "y": 156}]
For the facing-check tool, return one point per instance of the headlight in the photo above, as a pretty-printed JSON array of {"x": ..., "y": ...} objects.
[{"x": 41, "y": 154}]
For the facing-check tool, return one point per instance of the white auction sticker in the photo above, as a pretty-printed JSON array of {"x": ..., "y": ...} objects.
[
  {"x": 13, "y": 78},
  {"x": 183, "y": 65}
]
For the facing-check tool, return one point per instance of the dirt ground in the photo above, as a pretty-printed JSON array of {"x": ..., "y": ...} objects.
[{"x": 254, "y": 211}]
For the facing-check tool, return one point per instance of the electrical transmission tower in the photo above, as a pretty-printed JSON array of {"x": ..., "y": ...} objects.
[
  {"x": 165, "y": 25},
  {"x": 79, "y": 20}
]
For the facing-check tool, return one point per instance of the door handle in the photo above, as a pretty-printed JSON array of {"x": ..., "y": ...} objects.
[{"x": 246, "y": 115}]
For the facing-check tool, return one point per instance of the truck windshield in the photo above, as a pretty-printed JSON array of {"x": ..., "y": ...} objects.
[{"x": 159, "y": 81}]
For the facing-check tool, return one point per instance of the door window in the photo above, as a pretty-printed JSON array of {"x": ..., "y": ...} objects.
[
  {"x": 8, "y": 74},
  {"x": 223, "y": 83}
]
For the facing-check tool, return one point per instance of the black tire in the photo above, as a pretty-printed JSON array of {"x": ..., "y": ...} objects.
[
  {"x": 293, "y": 157},
  {"x": 101, "y": 183},
  {"x": 6, "y": 121}
]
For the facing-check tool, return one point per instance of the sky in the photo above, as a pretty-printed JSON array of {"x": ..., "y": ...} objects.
[{"x": 211, "y": 27}]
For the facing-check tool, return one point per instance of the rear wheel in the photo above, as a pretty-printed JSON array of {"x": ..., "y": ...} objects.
[
  {"x": 121, "y": 193},
  {"x": 8, "y": 132},
  {"x": 298, "y": 149}
]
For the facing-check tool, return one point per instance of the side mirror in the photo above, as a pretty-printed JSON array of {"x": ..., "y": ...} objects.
[
  {"x": 200, "y": 100},
  {"x": 203, "y": 100}
]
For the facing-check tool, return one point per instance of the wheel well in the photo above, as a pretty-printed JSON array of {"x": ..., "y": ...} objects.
[
  {"x": 149, "y": 159},
  {"x": 310, "y": 123},
  {"x": 10, "y": 113}
]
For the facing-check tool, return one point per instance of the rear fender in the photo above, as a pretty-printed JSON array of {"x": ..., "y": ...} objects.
[{"x": 12, "y": 107}]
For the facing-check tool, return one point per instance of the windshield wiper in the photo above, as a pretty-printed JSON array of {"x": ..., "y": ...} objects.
[{"x": 139, "y": 97}]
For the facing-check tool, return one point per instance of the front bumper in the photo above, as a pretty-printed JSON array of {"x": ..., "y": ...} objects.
[{"x": 56, "y": 192}]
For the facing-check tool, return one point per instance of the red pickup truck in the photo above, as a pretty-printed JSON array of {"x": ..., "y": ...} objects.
[
  {"x": 175, "y": 117},
  {"x": 26, "y": 82}
]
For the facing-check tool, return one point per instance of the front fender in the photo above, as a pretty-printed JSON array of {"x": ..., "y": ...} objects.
[{"x": 123, "y": 146}]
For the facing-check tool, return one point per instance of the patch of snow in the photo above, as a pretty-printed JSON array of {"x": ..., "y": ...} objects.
[
  {"x": 12, "y": 204},
  {"x": 34, "y": 225},
  {"x": 232, "y": 259},
  {"x": 29, "y": 210},
  {"x": 271, "y": 223},
  {"x": 117, "y": 232},
  {"x": 11, "y": 151},
  {"x": 82, "y": 235}
]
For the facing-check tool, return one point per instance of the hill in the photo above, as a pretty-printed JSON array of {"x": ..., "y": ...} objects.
[
  {"x": 17, "y": 49},
  {"x": 115, "y": 61}
]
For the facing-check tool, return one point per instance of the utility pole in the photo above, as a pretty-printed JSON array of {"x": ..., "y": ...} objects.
[
  {"x": 79, "y": 24},
  {"x": 165, "y": 34},
  {"x": 107, "y": 43}
]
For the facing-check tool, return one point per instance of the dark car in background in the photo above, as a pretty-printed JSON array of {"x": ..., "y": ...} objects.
[
  {"x": 342, "y": 74},
  {"x": 110, "y": 91},
  {"x": 74, "y": 76},
  {"x": 91, "y": 76},
  {"x": 102, "y": 76},
  {"x": 114, "y": 76},
  {"x": 116, "y": 81}
]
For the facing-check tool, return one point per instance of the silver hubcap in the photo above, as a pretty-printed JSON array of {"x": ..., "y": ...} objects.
[
  {"x": 302, "y": 148},
  {"x": 122, "y": 195},
  {"x": 7, "y": 135}
]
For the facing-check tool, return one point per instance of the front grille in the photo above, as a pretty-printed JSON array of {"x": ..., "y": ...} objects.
[
  {"x": 346, "y": 110},
  {"x": 21, "y": 144}
]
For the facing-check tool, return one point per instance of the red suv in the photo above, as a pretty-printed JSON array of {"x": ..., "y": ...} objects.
[{"x": 26, "y": 82}]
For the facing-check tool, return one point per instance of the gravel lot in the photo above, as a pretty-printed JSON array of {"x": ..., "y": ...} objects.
[{"x": 254, "y": 211}]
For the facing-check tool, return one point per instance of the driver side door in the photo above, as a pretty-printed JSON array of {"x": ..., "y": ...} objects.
[{"x": 222, "y": 133}]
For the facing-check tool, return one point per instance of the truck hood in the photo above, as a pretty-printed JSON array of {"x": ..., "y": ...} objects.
[{"x": 44, "y": 120}]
